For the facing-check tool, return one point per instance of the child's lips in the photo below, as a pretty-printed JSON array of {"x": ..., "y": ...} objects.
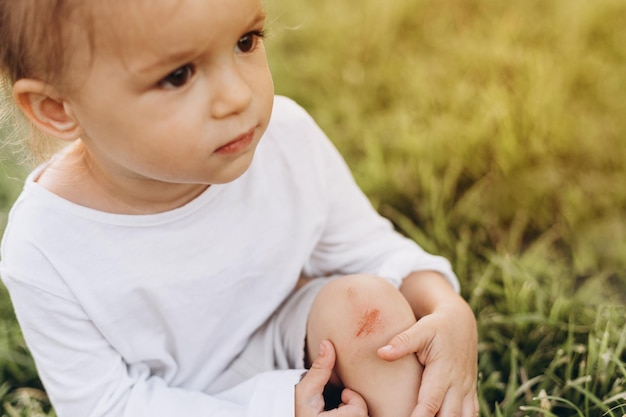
[{"x": 237, "y": 145}]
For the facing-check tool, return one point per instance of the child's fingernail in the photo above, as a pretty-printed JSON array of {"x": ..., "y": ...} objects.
[
  {"x": 386, "y": 348},
  {"x": 322, "y": 349}
]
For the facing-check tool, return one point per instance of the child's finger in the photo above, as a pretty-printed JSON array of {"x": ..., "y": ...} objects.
[
  {"x": 470, "y": 406},
  {"x": 431, "y": 394},
  {"x": 309, "y": 391},
  {"x": 414, "y": 339},
  {"x": 323, "y": 365},
  {"x": 352, "y": 398},
  {"x": 452, "y": 404}
]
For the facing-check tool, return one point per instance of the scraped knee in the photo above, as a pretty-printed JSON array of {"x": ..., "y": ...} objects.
[{"x": 361, "y": 306}]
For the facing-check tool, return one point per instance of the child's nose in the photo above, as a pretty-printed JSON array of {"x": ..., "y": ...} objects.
[{"x": 230, "y": 92}]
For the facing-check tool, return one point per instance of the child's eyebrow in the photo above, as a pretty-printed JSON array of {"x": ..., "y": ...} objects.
[
  {"x": 186, "y": 55},
  {"x": 164, "y": 61}
]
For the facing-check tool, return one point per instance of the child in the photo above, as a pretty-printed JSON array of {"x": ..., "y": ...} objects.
[{"x": 154, "y": 263}]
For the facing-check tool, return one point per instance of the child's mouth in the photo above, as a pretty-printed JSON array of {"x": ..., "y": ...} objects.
[{"x": 237, "y": 145}]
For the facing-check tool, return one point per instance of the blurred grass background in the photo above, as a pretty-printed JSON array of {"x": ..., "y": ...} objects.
[{"x": 492, "y": 132}]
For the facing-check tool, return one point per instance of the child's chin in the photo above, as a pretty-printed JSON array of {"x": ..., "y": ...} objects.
[{"x": 235, "y": 171}]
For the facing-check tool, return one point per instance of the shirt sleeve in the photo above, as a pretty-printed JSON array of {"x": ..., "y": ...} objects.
[
  {"x": 355, "y": 238},
  {"x": 85, "y": 376}
]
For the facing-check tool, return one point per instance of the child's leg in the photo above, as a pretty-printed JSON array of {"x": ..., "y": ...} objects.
[{"x": 359, "y": 314}]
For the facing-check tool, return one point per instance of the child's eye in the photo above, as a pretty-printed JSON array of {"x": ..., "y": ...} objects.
[
  {"x": 249, "y": 41},
  {"x": 178, "y": 77}
]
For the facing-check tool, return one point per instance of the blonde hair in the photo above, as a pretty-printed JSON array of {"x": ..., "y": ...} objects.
[{"x": 34, "y": 41}]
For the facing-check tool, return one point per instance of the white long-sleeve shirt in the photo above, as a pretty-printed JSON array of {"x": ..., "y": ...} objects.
[{"x": 137, "y": 315}]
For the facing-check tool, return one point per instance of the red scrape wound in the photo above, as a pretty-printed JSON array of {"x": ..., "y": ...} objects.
[{"x": 369, "y": 322}]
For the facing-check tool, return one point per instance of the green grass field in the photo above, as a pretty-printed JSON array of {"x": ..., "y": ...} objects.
[{"x": 492, "y": 132}]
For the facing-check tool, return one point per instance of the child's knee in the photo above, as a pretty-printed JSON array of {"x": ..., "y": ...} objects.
[{"x": 361, "y": 307}]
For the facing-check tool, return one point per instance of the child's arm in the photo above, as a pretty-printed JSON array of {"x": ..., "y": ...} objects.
[
  {"x": 355, "y": 239},
  {"x": 445, "y": 340},
  {"x": 84, "y": 376}
]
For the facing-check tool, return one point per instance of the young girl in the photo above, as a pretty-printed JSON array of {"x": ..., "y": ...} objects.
[{"x": 200, "y": 242}]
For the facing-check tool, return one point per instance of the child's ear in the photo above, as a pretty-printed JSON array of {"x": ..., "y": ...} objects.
[{"x": 45, "y": 107}]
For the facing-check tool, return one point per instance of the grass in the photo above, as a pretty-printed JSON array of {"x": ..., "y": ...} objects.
[{"x": 489, "y": 131}]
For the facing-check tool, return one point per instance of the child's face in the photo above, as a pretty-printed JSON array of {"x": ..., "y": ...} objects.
[{"x": 175, "y": 90}]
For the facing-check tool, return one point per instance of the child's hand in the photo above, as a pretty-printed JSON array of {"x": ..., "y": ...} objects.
[
  {"x": 445, "y": 342},
  {"x": 309, "y": 401}
]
